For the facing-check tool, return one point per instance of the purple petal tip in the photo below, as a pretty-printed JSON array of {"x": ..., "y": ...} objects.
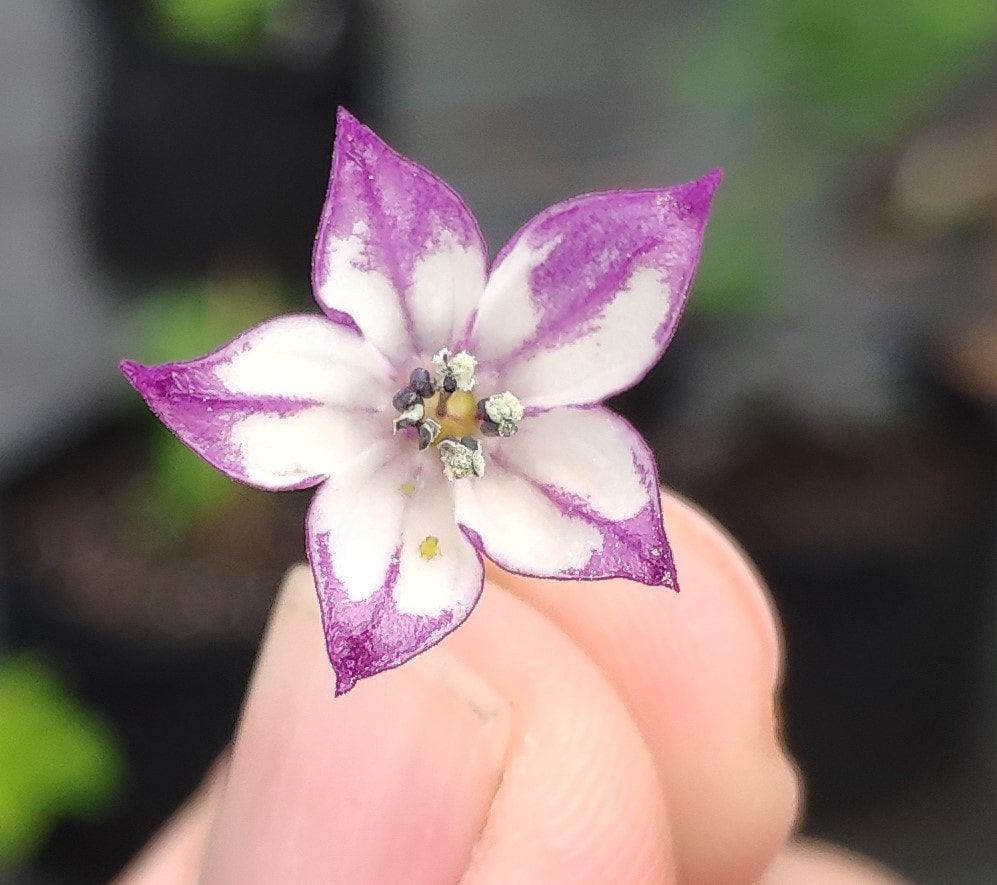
[
  {"x": 349, "y": 127},
  {"x": 343, "y": 684},
  {"x": 132, "y": 372},
  {"x": 344, "y": 116},
  {"x": 698, "y": 195}
]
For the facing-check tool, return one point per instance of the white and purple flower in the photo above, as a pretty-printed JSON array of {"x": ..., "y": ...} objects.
[{"x": 446, "y": 410}]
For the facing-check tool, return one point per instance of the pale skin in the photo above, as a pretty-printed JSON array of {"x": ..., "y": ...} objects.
[{"x": 569, "y": 732}]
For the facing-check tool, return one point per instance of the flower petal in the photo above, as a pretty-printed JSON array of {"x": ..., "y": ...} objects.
[
  {"x": 573, "y": 495},
  {"x": 394, "y": 573},
  {"x": 397, "y": 250},
  {"x": 583, "y": 300},
  {"x": 284, "y": 405}
]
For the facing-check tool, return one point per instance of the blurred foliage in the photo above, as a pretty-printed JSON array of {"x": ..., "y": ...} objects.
[
  {"x": 849, "y": 69},
  {"x": 863, "y": 69},
  {"x": 56, "y": 759},
  {"x": 805, "y": 79},
  {"x": 743, "y": 240},
  {"x": 215, "y": 27},
  {"x": 178, "y": 322}
]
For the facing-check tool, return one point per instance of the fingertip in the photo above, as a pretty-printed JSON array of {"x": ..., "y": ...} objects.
[
  {"x": 700, "y": 538},
  {"x": 807, "y": 860},
  {"x": 699, "y": 673},
  {"x": 390, "y": 782},
  {"x": 579, "y": 799}
]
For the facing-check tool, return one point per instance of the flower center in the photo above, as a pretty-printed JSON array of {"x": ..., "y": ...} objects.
[{"x": 440, "y": 407}]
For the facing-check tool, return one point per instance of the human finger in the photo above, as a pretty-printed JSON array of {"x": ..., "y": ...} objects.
[
  {"x": 389, "y": 783},
  {"x": 174, "y": 856},
  {"x": 699, "y": 673},
  {"x": 501, "y": 755}
]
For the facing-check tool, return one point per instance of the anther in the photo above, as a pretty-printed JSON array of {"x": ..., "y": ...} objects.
[
  {"x": 505, "y": 411},
  {"x": 428, "y": 431},
  {"x": 459, "y": 461},
  {"x": 405, "y": 399},
  {"x": 410, "y": 417},
  {"x": 421, "y": 382},
  {"x": 454, "y": 371}
]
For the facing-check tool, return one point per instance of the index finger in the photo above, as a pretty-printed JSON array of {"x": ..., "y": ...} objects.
[{"x": 699, "y": 672}]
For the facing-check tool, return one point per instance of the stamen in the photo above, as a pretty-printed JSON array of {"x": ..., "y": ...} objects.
[
  {"x": 405, "y": 399},
  {"x": 421, "y": 382},
  {"x": 504, "y": 411},
  {"x": 428, "y": 431},
  {"x": 460, "y": 461},
  {"x": 410, "y": 417},
  {"x": 454, "y": 371}
]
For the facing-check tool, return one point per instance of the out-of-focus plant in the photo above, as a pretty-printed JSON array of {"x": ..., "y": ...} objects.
[
  {"x": 192, "y": 319},
  {"x": 839, "y": 68},
  {"x": 802, "y": 83},
  {"x": 216, "y": 27},
  {"x": 864, "y": 68},
  {"x": 57, "y": 760},
  {"x": 739, "y": 272}
]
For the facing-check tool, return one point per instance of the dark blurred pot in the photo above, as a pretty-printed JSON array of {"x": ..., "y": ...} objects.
[
  {"x": 156, "y": 634},
  {"x": 878, "y": 549},
  {"x": 199, "y": 157}
]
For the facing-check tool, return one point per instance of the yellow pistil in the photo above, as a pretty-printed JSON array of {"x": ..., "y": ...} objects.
[
  {"x": 429, "y": 548},
  {"x": 407, "y": 488},
  {"x": 458, "y": 418}
]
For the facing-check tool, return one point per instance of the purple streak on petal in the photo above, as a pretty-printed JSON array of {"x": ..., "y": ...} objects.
[
  {"x": 204, "y": 400},
  {"x": 342, "y": 318},
  {"x": 601, "y": 240},
  {"x": 406, "y": 209},
  {"x": 635, "y": 548},
  {"x": 191, "y": 401},
  {"x": 368, "y": 637},
  {"x": 473, "y": 537}
]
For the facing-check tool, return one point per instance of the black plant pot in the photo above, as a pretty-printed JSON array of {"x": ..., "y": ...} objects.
[
  {"x": 155, "y": 633},
  {"x": 204, "y": 158},
  {"x": 878, "y": 551}
]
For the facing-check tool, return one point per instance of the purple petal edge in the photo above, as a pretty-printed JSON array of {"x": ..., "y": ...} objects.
[
  {"x": 629, "y": 540},
  {"x": 184, "y": 415},
  {"x": 660, "y": 228},
  {"x": 196, "y": 407},
  {"x": 398, "y": 236},
  {"x": 697, "y": 197},
  {"x": 362, "y": 638}
]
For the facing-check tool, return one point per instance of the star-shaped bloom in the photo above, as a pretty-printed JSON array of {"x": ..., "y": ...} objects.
[{"x": 447, "y": 410}]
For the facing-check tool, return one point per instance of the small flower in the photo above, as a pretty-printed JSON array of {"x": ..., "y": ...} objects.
[{"x": 371, "y": 402}]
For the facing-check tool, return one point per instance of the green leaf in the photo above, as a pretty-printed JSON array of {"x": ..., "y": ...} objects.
[
  {"x": 57, "y": 760},
  {"x": 217, "y": 27},
  {"x": 867, "y": 67}
]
